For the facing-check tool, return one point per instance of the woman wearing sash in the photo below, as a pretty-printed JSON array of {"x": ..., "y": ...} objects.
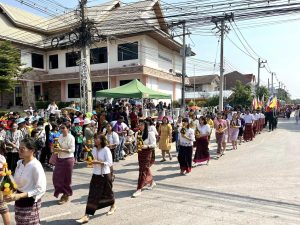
[
  {"x": 220, "y": 127},
  {"x": 30, "y": 180},
  {"x": 235, "y": 125},
  {"x": 146, "y": 143}
]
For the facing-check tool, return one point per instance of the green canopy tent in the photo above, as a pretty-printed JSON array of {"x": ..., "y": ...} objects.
[{"x": 134, "y": 89}]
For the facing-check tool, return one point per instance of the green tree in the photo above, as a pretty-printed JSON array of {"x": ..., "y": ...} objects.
[
  {"x": 263, "y": 91},
  {"x": 213, "y": 101},
  {"x": 283, "y": 95},
  {"x": 10, "y": 66},
  {"x": 242, "y": 95}
]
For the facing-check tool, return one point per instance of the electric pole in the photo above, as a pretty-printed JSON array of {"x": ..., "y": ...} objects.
[
  {"x": 272, "y": 84},
  {"x": 183, "y": 67},
  {"x": 260, "y": 65},
  {"x": 222, "y": 29},
  {"x": 85, "y": 72}
]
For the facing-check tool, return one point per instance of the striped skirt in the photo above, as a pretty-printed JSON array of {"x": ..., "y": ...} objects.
[
  {"x": 248, "y": 134},
  {"x": 28, "y": 215},
  {"x": 145, "y": 158}
]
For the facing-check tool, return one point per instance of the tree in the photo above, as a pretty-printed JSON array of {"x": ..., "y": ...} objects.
[
  {"x": 242, "y": 95},
  {"x": 283, "y": 95},
  {"x": 213, "y": 101},
  {"x": 263, "y": 91},
  {"x": 10, "y": 67}
]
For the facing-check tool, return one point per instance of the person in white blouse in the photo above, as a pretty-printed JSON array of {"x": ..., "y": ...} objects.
[
  {"x": 146, "y": 157},
  {"x": 202, "y": 151},
  {"x": 31, "y": 183},
  {"x": 112, "y": 138},
  {"x": 62, "y": 174},
  {"x": 101, "y": 194},
  {"x": 186, "y": 140},
  {"x": 249, "y": 121}
]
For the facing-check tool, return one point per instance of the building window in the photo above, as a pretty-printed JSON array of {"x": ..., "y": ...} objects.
[
  {"x": 98, "y": 55},
  {"x": 73, "y": 90},
  {"x": 53, "y": 61},
  {"x": 72, "y": 58},
  {"x": 98, "y": 86},
  {"x": 37, "y": 61},
  {"x": 128, "y": 51},
  {"x": 18, "y": 95},
  {"x": 122, "y": 82}
]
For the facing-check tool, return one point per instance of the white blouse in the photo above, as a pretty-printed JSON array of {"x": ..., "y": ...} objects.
[
  {"x": 190, "y": 133},
  {"x": 113, "y": 138},
  {"x": 248, "y": 118},
  {"x": 31, "y": 178},
  {"x": 104, "y": 155},
  {"x": 150, "y": 142},
  {"x": 67, "y": 143},
  {"x": 205, "y": 129}
]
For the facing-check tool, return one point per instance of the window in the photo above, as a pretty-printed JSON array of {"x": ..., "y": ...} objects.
[
  {"x": 97, "y": 86},
  {"x": 128, "y": 51},
  {"x": 18, "y": 95},
  {"x": 72, "y": 58},
  {"x": 37, "y": 61},
  {"x": 73, "y": 90},
  {"x": 98, "y": 55},
  {"x": 122, "y": 82},
  {"x": 53, "y": 61}
]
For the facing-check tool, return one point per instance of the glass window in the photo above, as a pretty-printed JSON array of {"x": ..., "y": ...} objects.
[
  {"x": 128, "y": 51},
  {"x": 122, "y": 82},
  {"x": 98, "y": 55},
  {"x": 97, "y": 86},
  {"x": 53, "y": 61},
  {"x": 72, "y": 58},
  {"x": 37, "y": 60},
  {"x": 73, "y": 90}
]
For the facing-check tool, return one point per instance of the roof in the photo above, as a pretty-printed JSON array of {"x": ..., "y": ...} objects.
[
  {"x": 111, "y": 18},
  {"x": 231, "y": 78},
  {"x": 134, "y": 89},
  {"x": 205, "y": 79}
]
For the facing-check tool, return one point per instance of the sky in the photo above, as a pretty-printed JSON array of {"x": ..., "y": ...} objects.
[{"x": 279, "y": 44}]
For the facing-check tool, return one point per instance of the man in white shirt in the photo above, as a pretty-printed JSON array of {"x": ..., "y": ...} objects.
[{"x": 52, "y": 107}]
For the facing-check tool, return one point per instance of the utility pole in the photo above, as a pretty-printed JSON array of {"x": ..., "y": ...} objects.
[
  {"x": 108, "y": 62},
  {"x": 194, "y": 85},
  {"x": 272, "y": 84},
  {"x": 85, "y": 72},
  {"x": 260, "y": 65},
  {"x": 183, "y": 66},
  {"x": 222, "y": 29},
  {"x": 268, "y": 84}
]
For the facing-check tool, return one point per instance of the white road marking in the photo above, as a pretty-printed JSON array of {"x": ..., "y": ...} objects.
[{"x": 55, "y": 216}]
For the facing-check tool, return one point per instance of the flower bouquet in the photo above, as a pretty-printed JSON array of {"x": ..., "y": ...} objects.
[
  {"x": 220, "y": 128},
  {"x": 183, "y": 131},
  {"x": 140, "y": 141},
  {"x": 89, "y": 156},
  {"x": 7, "y": 184},
  {"x": 55, "y": 145}
]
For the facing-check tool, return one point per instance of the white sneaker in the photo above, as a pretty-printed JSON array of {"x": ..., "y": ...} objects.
[
  {"x": 137, "y": 193},
  {"x": 152, "y": 185}
]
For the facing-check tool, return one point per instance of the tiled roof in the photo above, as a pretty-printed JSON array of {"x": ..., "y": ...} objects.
[
  {"x": 231, "y": 78},
  {"x": 205, "y": 79},
  {"x": 111, "y": 19}
]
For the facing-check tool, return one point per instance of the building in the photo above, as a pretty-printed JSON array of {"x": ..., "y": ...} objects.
[
  {"x": 205, "y": 83},
  {"x": 246, "y": 79},
  {"x": 141, "y": 48}
]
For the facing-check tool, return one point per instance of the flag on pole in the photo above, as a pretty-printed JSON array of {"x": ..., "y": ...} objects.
[
  {"x": 263, "y": 101},
  {"x": 273, "y": 102}
]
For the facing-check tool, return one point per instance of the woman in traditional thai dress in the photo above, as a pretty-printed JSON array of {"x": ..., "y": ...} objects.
[
  {"x": 146, "y": 143},
  {"x": 221, "y": 128},
  {"x": 202, "y": 133},
  {"x": 62, "y": 174},
  {"x": 186, "y": 141},
  {"x": 235, "y": 125},
  {"x": 101, "y": 194},
  {"x": 165, "y": 138},
  {"x": 31, "y": 182}
]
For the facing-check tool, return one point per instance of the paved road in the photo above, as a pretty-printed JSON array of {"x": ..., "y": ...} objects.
[{"x": 257, "y": 184}]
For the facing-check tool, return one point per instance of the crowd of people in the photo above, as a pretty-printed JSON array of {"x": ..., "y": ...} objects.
[{"x": 33, "y": 143}]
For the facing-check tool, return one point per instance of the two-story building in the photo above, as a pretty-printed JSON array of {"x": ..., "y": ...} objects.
[{"x": 141, "y": 48}]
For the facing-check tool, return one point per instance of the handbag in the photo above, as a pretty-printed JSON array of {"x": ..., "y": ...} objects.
[{"x": 53, "y": 159}]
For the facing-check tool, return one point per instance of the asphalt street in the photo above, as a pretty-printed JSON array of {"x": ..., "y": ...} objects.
[{"x": 257, "y": 184}]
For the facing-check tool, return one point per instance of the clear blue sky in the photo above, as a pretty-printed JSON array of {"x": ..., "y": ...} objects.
[{"x": 278, "y": 44}]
